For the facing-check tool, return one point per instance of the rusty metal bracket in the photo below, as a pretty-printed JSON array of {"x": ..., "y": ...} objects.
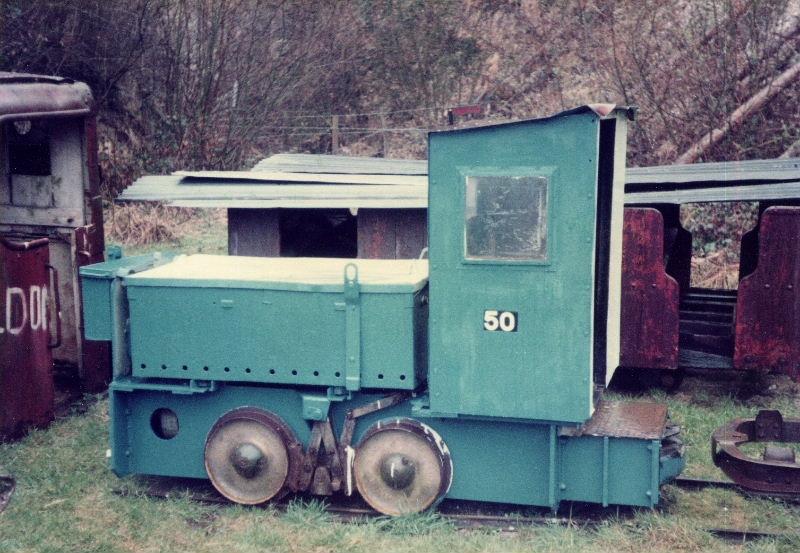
[
  {"x": 54, "y": 287},
  {"x": 7, "y": 485},
  {"x": 352, "y": 415},
  {"x": 325, "y": 467},
  {"x": 322, "y": 467},
  {"x": 776, "y": 472}
]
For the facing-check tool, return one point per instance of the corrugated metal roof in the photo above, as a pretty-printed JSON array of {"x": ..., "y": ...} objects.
[
  {"x": 324, "y": 181},
  {"x": 728, "y": 193},
  {"x": 756, "y": 180},
  {"x": 768, "y": 170},
  {"x": 262, "y": 177},
  {"x": 237, "y": 193},
  {"x": 320, "y": 163}
]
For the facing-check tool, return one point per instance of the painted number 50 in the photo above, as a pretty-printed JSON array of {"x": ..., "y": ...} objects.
[{"x": 505, "y": 321}]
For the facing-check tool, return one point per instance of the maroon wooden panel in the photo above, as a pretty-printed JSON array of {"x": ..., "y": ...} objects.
[
  {"x": 254, "y": 232},
  {"x": 26, "y": 362},
  {"x": 392, "y": 233},
  {"x": 677, "y": 245},
  {"x": 650, "y": 297},
  {"x": 768, "y": 304},
  {"x": 95, "y": 370}
]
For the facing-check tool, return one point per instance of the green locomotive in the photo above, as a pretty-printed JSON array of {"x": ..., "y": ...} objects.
[{"x": 475, "y": 374}]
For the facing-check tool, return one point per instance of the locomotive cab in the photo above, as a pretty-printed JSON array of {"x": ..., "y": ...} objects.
[
  {"x": 50, "y": 225},
  {"x": 525, "y": 230}
]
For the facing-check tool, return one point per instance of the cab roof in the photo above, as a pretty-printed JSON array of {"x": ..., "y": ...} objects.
[{"x": 29, "y": 96}]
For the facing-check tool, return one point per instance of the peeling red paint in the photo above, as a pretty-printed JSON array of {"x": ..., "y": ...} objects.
[
  {"x": 768, "y": 303},
  {"x": 650, "y": 297},
  {"x": 26, "y": 326}
]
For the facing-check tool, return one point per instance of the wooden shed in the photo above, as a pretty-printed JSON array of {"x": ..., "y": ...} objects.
[{"x": 308, "y": 205}]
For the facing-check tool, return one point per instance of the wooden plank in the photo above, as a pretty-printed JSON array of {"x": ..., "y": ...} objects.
[
  {"x": 693, "y": 359},
  {"x": 650, "y": 323},
  {"x": 254, "y": 232},
  {"x": 392, "y": 233},
  {"x": 59, "y": 217},
  {"x": 95, "y": 367},
  {"x": 412, "y": 232},
  {"x": 767, "y": 310},
  {"x": 377, "y": 235}
]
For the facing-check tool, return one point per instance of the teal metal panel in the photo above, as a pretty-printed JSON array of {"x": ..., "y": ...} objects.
[
  {"x": 495, "y": 461},
  {"x": 136, "y": 449},
  {"x": 274, "y": 336},
  {"x": 97, "y": 301},
  {"x": 96, "y": 291},
  {"x": 610, "y": 471},
  {"x": 543, "y": 369},
  {"x": 517, "y": 463}
]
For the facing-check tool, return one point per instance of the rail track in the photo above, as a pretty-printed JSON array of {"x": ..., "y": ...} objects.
[{"x": 472, "y": 515}]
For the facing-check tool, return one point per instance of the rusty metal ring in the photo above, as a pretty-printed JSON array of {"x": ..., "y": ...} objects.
[{"x": 768, "y": 475}]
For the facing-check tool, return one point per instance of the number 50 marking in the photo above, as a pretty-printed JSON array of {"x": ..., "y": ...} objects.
[{"x": 505, "y": 321}]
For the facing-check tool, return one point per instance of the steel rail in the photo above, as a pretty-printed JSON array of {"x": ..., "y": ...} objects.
[{"x": 466, "y": 515}]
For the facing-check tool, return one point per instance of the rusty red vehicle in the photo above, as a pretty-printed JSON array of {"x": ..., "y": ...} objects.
[{"x": 50, "y": 225}]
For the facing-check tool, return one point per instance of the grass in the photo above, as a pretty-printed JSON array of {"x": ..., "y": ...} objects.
[
  {"x": 66, "y": 501},
  {"x": 143, "y": 228}
]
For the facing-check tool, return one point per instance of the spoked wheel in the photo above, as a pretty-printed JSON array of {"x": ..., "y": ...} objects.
[
  {"x": 247, "y": 455},
  {"x": 402, "y": 467}
]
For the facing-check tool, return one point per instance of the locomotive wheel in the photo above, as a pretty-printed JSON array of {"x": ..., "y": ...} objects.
[
  {"x": 402, "y": 467},
  {"x": 247, "y": 456}
]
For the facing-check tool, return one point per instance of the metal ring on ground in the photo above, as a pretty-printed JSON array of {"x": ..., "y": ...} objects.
[
  {"x": 248, "y": 457},
  {"x": 776, "y": 473},
  {"x": 402, "y": 466}
]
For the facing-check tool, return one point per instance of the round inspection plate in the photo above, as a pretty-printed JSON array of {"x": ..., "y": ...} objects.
[
  {"x": 246, "y": 456},
  {"x": 402, "y": 467}
]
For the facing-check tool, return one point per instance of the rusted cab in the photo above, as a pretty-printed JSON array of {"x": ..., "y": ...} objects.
[{"x": 50, "y": 224}]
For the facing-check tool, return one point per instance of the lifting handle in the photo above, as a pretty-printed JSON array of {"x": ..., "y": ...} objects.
[{"x": 57, "y": 297}]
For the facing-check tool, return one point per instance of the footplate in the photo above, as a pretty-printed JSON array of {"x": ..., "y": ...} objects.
[
  {"x": 637, "y": 431},
  {"x": 776, "y": 473}
]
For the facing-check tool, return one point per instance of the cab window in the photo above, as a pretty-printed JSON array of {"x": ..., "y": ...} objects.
[{"x": 506, "y": 218}]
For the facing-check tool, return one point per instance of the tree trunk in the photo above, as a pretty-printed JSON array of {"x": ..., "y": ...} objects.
[
  {"x": 791, "y": 151},
  {"x": 755, "y": 103}
]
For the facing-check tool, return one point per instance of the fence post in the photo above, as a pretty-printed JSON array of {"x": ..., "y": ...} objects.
[{"x": 335, "y": 134}]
